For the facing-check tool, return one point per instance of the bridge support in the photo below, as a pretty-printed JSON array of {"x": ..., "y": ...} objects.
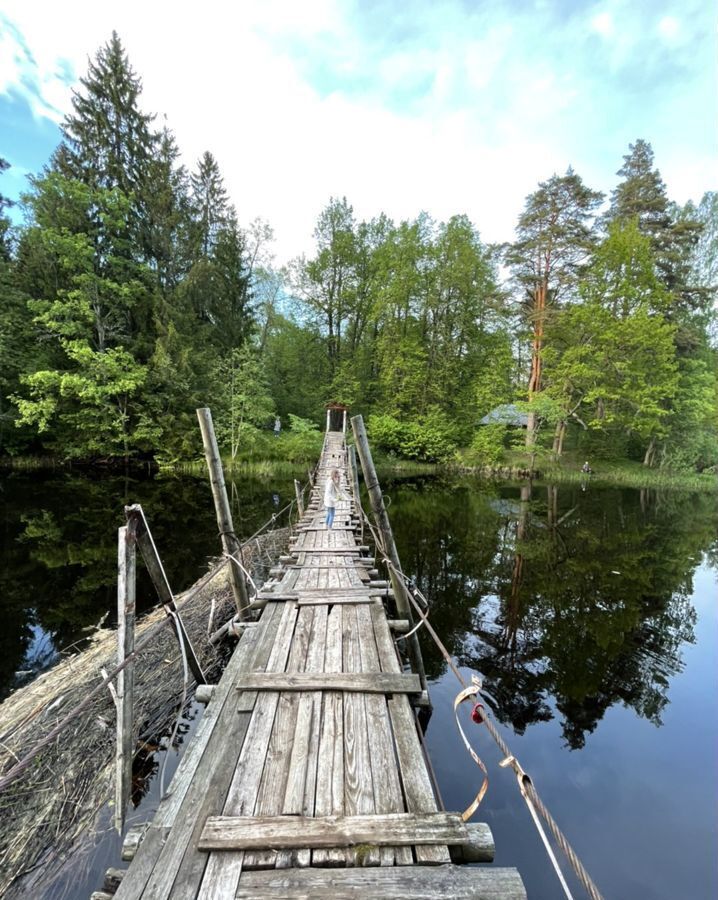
[
  {"x": 382, "y": 520},
  {"x": 230, "y": 541}
]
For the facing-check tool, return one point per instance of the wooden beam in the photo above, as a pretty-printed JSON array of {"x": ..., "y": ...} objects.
[
  {"x": 298, "y": 495},
  {"x": 360, "y": 682},
  {"x": 389, "y": 883},
  {"x": 156, "y": 571},
  {"x": 126, "y": 616},
  {"x": 230, "y": 541},
  {"x": 279, "y": 832},
  {"x": 382, "y": 520}
]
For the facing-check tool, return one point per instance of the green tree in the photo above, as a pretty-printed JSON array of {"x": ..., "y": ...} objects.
[
  {"x": 642, "y": 196},
  {"x": 610, "y": 361},
  {"x": 326, "y": 284},
  {"x": 108, "y": 140},
  {"x": 245, "y": 404},
  {"x": 553, "y": 240}
]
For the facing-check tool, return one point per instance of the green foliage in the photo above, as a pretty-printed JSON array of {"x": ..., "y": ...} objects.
[
  {"x": 430, "y": 439},
  {"x": 487, "y": 446},
  {"x": 132, "y": 296},
  {"x": 90, "y": 402}
]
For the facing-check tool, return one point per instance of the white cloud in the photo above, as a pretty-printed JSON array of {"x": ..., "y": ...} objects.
[
  {"x": 669, "y": 27},
  {"x": 496, "y": 118},
  {"x": 602, "y": 23}
]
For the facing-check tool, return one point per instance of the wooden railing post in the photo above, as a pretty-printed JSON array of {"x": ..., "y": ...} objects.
[
  {"x": 156, "y": 572},
  {"x": 300, "y": 499},
  {"x": 352, "y": 459},
  {"x": 230, "y": 542},
  {"x": 382, "y": 520},
  {"x": 125, "y": 685}
]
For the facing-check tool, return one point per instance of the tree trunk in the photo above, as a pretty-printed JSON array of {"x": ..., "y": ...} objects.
[
  {"x": 650, "y": 453},
  {"x": 558, "y": 437},
  {"x": 536, "y": 347}
]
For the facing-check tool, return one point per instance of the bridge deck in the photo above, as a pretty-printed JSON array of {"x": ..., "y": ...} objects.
[{"x": 306, "y": 776}]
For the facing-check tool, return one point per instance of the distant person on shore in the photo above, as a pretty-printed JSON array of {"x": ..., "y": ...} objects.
[
  {"x": 332, "y": 493},
  {"x": 277, "y": 426},
  {"x": 586, "y": 469}
]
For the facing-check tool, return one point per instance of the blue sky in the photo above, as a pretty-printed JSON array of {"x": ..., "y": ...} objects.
[{"x": 444, "y": 105}]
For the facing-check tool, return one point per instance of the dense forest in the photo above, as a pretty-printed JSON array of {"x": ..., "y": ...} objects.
[{"x": 131, "y": 295}]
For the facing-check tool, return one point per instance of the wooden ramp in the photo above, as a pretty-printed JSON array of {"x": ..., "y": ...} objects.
[{"x": 306, "y": 776}]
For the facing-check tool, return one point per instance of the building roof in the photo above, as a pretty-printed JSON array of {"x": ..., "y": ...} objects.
[{"x": 506, "y": 414}]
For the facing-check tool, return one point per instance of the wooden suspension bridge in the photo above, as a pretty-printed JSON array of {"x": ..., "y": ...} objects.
[{"x": 306, "y": 776}]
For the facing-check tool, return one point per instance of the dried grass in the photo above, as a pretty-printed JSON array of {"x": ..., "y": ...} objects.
[{"x": 59, "y": 799}]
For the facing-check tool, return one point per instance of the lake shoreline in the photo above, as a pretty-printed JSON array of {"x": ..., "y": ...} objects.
[{"x": 606, "y": 473}]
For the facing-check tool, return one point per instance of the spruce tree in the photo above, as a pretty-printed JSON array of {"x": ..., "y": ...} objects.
[
  {"x": 107, "y": 138},
  {"x": 642, "y": 196},
  {"x": 209, "y": 203}
]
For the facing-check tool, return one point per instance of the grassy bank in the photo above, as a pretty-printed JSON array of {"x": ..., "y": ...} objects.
[
  {"x": 513, "y": 467},
  {"x": 616, "y": 472}
]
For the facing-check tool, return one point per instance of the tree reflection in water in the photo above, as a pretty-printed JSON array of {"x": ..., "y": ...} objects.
[
  {"x": 567, "y": 602},
  {"x": 58, "y": 552}
]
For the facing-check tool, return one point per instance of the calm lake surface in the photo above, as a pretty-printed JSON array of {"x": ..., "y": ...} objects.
[{"x": 590, "y": 614}]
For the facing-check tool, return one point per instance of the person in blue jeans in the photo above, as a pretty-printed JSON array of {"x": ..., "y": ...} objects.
[{"x": 332, "y": 493}]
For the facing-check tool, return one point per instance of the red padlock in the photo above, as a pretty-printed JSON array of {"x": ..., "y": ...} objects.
[{"x": 477, "y": 714}]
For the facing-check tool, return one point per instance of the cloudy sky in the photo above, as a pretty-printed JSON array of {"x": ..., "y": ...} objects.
[{"x": 401, "y": 105}]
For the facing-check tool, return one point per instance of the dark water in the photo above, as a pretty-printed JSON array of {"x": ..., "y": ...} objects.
[{"x": 591, "y": 616}]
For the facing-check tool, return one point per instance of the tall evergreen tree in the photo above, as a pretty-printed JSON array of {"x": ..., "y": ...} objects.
[
  {"x": 107, "y": 138},
  {"x": 210, "y": 205},
  {"x": 642, "y": 195},
  {"x": 553, "y": 240}
]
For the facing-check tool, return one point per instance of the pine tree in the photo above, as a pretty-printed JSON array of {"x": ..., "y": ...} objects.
[{"x": 554, "y": 238}]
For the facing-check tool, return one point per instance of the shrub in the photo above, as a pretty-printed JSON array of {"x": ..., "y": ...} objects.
[
  {"x": 432, "y": 438},
  {"x": 487, "y": 447}
]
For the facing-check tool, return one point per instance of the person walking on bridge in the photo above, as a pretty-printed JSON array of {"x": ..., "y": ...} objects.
[{"x": 332, "y": 493}]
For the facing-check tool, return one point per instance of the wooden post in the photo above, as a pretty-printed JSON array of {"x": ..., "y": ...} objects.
[
  {"x": 159, "y": 580},
  {"x": 382, "y": 519},
  {"x": 344, "y": 423},
  {"x": 230, "y": 541},
  {"x": 125, "y": 686},
  {"x": 300, "y": 499},
  {"x": 352, "y": 457},
  {"x": 329, "y": 419}
]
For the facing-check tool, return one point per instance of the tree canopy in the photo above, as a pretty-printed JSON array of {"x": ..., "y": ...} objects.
[{"x": 132, "y": 295}]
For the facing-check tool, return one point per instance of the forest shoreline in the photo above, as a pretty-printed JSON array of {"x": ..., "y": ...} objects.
[{"x": 607, "y": 473}]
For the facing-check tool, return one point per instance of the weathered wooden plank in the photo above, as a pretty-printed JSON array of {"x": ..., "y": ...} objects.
[
  {"x": 205, "y": 791},
  {"x": 276, "y": 767},
  {"x": 400, "y": 883},
  {"x": 330, "y": 600},
  {"x": 222, "y": 872},
  {"x": 329, "y": 798},
  {"x": 244, "y": 657},
  {"x": 259, "y": 832},
  {"x": 357, "y": 682},
  {"x": 133, "y": 884},
  {"x": 301, "y": 783},
  {"x": 385, "y": 776},
  {"x": 418, "y": 791},
  {"x": 253, "y": 649},
  {"x": 358, "y": 783}
]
